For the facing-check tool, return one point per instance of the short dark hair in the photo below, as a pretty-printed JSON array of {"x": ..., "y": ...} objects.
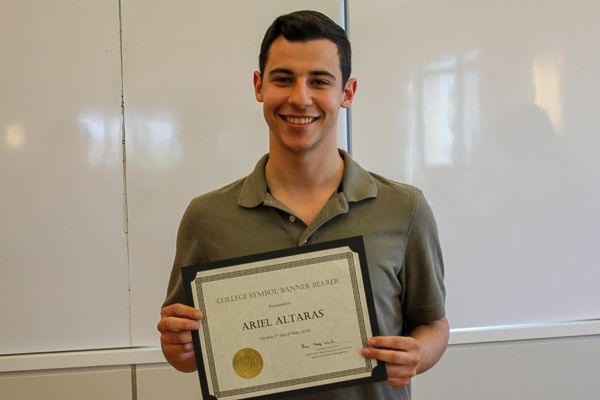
[{"x": 302, "y": 26}]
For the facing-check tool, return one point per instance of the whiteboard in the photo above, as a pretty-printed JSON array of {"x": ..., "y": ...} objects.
[
  {"x": 63, "y": 250},
  {"x": 491, "y": 108},
  {"x": 192, "y": 123},
  {"x": 87, "y": 241}
]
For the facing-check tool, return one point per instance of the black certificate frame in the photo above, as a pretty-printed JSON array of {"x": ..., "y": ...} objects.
[{"x": 190, "y": 280}]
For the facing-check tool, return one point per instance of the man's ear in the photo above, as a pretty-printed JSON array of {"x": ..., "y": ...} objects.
[
  {"x": 349, "y": 92},
  {"x": 258, "y": 87}
]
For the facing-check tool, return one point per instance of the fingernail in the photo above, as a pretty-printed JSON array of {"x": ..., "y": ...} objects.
[
  {"x": 371, "y": 342},
  {"x": 365, "y": 352},
  {"x": 198, "y": 315}
]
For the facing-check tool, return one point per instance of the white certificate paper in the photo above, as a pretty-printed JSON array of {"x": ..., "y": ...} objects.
[{"x": 284, "y": 323}]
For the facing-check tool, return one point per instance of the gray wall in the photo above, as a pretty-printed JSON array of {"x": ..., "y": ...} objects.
[{"x": 549, "y": 369}]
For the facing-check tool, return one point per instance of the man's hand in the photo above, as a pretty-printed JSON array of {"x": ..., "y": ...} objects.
[
  {"x": 175, "y": 326},
  {"x": 401, "y": 355},
  {"x": 410, "y": 355}
]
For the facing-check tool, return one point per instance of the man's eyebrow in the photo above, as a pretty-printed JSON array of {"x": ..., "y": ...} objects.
[
  {"x": 326, "y": 73},
  {"x": 280, "y": 71},
  {"x": 290, "y": 72}
]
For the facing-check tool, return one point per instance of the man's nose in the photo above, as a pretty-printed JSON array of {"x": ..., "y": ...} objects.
[{"x": 300, "y": 96}]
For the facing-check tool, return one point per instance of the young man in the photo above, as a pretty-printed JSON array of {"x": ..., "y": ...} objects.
[{"x": 307, "y": 191}]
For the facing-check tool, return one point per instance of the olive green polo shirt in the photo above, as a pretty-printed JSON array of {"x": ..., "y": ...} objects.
[{"x": 397, "y": 225}]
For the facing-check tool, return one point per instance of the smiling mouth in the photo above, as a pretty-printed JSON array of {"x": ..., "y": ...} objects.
[{"x": 299, "y": 121}]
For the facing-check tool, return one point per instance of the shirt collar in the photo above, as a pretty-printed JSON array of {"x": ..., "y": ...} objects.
[{"x": 357, "y": 183}]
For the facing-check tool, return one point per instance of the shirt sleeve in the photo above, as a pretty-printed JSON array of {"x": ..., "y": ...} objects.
[
  {"x": 423, "y": 298},
  {"x": 188, "y": 252}
]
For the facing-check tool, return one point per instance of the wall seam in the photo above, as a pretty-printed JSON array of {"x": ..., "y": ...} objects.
[
  {"x": 134, "y": 395},
  {"x": 349, "y": 112},
  {"x": 124, "y": 152}
]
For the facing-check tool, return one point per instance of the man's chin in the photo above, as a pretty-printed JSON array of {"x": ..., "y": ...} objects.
[{"x": 298, "y": 146}]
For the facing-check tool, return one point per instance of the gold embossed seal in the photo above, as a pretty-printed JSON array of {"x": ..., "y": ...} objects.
[{"x": 247, "y": 363}]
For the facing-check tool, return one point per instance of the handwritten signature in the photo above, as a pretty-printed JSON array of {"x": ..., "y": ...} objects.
[{"x": 317, "y": 344}]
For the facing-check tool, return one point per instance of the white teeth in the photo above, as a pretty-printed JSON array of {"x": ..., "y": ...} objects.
[{"x": 299, "y": 121}]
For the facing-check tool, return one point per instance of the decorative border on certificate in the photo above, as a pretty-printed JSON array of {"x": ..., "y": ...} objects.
[{"x": 347, "y": 293}]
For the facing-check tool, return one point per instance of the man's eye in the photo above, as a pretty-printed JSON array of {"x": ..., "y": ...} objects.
[
  {"x": 282, "y": 79},
  {"x": 320, "y": 82}
]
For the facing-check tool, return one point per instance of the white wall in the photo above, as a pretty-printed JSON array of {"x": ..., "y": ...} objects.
[{"x": 521, "y": 370}]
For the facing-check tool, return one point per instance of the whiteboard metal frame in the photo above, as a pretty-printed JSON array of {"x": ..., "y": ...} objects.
[
  {"x": 153, "y": 354},
  {"x": 524, "y": 332}
]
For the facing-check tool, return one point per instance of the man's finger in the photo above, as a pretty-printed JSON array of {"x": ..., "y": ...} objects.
[
  {"x": 176, "y": 337},
  {"x": 403, "y": 343},
  {"x": 181, "y": 311},
  {"x": 392, "y": 356},
  {"x": 179, "y": 351},
  {"x": 177, "y": 324}
]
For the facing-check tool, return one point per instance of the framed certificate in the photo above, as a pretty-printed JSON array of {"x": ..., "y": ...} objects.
[{"x": 285, "y": 322}]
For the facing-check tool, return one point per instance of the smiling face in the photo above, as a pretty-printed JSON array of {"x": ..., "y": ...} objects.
[{"x": 301, "y": 91}]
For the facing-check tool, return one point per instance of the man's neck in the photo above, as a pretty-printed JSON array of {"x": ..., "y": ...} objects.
[{"x": 304, "y": 181}]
